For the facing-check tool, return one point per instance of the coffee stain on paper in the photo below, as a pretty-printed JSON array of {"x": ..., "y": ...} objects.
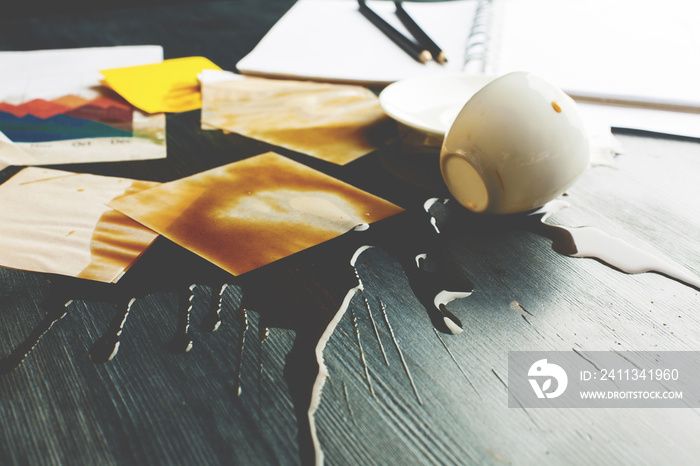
[
  {"x": 333, "y": 122},
  {"x": 250, "y": 213},
  {"x": 57, "y": 222}
]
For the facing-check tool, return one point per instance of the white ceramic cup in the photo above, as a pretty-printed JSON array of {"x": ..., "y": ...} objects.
[{"x": 518, "y": 143}]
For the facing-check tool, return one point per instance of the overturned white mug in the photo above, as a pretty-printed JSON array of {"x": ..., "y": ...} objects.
[{"x": 518, "y": 143}]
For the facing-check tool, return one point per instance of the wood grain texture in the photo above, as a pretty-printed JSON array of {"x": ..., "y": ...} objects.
[
  {"x": 562, "y": 304},
  {"x": 398, "y": 391}
]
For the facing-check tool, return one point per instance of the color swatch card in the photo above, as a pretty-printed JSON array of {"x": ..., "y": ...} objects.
[{"x": 55, "y": 110}]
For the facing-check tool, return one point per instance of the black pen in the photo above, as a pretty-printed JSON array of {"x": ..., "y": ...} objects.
[
  {"x": 419, "y": 34},
  {"x": 410, "y": 47}
]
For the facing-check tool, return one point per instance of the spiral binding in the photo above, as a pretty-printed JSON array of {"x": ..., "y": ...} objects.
[{"x": 478, "y": 46}]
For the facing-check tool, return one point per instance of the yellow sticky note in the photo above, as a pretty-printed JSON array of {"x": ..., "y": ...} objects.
[{"x": 169, "y": 86}]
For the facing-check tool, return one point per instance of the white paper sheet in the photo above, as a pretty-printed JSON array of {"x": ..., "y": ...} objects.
[{"x": 639, "y": 50}]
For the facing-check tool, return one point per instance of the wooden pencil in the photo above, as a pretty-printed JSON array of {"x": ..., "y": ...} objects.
[
  {"x": 420, "y": 35},
  {"x": 414, "y": 50}
]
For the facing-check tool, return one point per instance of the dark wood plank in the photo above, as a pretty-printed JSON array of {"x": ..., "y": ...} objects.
[
  {"x": 527, "y": 297},
  {"x": 403, "y": 393}
]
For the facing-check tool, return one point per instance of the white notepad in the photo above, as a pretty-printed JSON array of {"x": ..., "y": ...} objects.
[
  {"x": 636, "y": 50},
  {"x": 331, "y": 40}
]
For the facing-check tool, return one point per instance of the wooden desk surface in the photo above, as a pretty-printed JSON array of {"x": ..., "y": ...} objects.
[{"x": 399, "y": 391}]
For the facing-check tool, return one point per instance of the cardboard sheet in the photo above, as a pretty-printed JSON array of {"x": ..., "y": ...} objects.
[
  {"x": 250, "y": 213},
  {"x": 54, "y": 110},
  {"x": 169, "y": 86},
  {"x": 332, "y": 122},
  {"x": 58, "y": 222}
]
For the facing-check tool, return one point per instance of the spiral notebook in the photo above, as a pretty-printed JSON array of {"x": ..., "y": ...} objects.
[
  {"x": 630, "y": 51},
  {"x": 331, "y": 40}
]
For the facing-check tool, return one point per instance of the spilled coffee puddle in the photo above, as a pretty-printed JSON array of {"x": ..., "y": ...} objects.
[
  {"x": 596, "y": 244},
  {"x": 436, "y": 277},
  {"x": 310, "y": 292}
]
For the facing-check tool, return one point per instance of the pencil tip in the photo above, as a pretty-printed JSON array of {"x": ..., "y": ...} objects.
[
  {"x": 425, "y": 56},
  {"x": 442, "y": 58}
]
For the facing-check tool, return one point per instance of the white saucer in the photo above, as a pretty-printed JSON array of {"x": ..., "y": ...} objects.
[{"x": 430, "y": 103}]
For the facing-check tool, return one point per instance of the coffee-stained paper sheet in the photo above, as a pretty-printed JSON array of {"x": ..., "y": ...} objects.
[
  {"x": 332, "y": 122},
  {"x": 250, "y": 213},
  {"x": 58, "y": 222}
]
